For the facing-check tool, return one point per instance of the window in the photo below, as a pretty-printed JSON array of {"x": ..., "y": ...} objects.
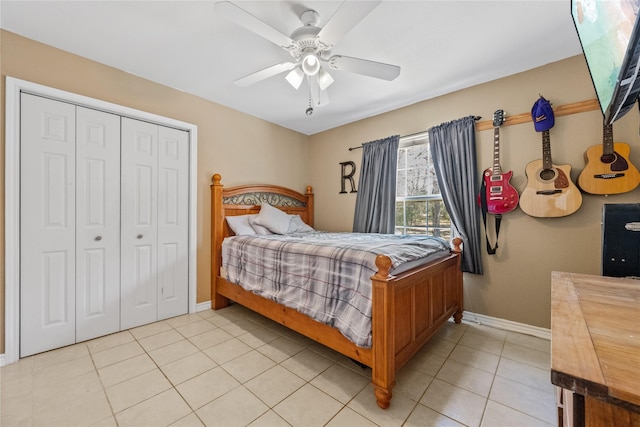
[{"x": 419, "y": 205}]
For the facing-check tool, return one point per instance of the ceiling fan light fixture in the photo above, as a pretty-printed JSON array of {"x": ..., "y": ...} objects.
[
  {"x": 310, "y": 64},
  {"x": 295, "y": 77},
  {"x": 324, "y": 79}
]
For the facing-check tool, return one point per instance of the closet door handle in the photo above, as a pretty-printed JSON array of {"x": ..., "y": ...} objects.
[
  {"x": 139, "y": 236},
  {"x": 98, "y": 238}
]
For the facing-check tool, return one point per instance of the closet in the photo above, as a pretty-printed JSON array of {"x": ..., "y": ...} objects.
[{"x": 103, "y": 223}]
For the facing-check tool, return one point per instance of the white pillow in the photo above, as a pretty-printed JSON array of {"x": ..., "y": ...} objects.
[
  {"x": 258, "y": 229},
  {"x": 298, "y": 225},
  {"x": 274, "y": 219},
  {"x": 240, "y": 224}
]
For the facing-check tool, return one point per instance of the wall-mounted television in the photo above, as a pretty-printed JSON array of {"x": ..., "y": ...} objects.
[{"x": 609, "y": 32}]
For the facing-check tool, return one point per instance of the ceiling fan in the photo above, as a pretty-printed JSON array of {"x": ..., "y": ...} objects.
[{"x": 310, "y": 46}]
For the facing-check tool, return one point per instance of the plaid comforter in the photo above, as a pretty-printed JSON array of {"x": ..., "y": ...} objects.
[{"x": 326, "y": 276}]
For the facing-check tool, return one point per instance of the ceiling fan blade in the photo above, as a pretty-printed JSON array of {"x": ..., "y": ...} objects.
[
  {"x": 362, "y": 66},
  {"x": 265, "y": 74},
  {"x": 254, "y": 24},
  {"x": 349, "y": 13}
]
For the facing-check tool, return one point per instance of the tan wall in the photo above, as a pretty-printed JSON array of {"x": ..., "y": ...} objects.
[
  {"x": 516, "y": 282},
  {"x": 243, "y": 149}
]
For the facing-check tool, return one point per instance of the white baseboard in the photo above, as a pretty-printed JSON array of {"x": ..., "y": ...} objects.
[
  {"x": 507, "y": 325},
  {"x": 202, "y": 306},
  {"x": 469, "y": 317},
  {"x": 199, "y": 307}
]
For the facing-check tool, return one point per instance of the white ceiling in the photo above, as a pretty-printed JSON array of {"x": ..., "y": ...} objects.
[{"x": 441, "y": 46}]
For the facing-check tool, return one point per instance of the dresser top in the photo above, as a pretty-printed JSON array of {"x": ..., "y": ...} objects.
[{"x": 595, "y": 337}]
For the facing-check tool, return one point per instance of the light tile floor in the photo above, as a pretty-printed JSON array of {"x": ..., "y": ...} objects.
[{"x": 233, "y": 367}]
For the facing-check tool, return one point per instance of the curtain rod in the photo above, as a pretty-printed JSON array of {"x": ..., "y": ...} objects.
[{"x": 476, "y": 118}]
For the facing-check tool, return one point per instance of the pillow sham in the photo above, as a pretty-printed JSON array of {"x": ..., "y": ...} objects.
[
  {"x": 297, "y": 225},
  {"x": 274, "y": 219},
  {"x": 240, "y": 224},
  {"x": 258, "y": 229}
]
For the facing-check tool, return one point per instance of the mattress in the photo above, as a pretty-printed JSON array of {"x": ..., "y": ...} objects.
[{"x": 326, "y": 276}]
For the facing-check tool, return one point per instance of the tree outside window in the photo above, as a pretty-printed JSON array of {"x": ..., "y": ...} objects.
[{"x": 419, "y": 206}]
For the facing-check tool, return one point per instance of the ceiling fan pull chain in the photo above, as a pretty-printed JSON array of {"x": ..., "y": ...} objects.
[{"x": 309, "y": 110}]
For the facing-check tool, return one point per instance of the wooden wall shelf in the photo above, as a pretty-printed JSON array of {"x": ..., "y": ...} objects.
[{"x": 563, "y": 110}]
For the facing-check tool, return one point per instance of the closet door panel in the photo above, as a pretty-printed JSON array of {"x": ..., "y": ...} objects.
[
  {"x": 139, "y": 221},
  {"x": 97, "y": 224},
  {"x": 173, "y": 230},
  {"x": 47, "y": 226}
]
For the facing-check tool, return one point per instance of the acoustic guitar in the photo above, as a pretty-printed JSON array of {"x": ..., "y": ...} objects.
[
  {"x": 608, "y": 169},
  {"x": 501, "y": 196},
  {"x": 549, "y": 191}
]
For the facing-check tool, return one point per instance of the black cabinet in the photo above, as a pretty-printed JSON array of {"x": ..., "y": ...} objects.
[{"x": 621, "y": 240}]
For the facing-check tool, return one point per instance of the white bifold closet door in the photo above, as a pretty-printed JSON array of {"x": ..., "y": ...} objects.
[
  {"x": 47, "y": 222},
  {"x": 70, "y": 224},
  {"x": 154, "y": 222},
  {"x": 104, "y": 223},
  {"x": 97, "y": 223}
]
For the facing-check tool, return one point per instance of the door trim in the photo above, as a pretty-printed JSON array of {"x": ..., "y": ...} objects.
[{"x": 13, "y": 88}]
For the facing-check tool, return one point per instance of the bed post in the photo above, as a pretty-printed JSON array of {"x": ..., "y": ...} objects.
[
  {"x": 309, "y": 207},
  {"x": 217, "y": 224},
  {"x": 383, "y": 375}
]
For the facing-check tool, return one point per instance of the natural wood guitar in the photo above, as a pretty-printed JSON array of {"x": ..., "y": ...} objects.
[
  {"x": 500, "y": 196},
  {"x": 549, "y": 191},
  {"x": 608, "y": 169}
]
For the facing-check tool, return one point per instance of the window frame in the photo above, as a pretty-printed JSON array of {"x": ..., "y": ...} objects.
[{"x": 421, "y": 138}]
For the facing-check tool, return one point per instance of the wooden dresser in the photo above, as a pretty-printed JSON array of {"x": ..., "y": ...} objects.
[{"x": 595, "y": 347}]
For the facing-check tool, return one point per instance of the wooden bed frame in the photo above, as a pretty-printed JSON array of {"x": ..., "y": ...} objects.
[{"x": 407, "y": 309}]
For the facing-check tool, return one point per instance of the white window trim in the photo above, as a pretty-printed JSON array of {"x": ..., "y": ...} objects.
[{"x": 410, "y": 141}]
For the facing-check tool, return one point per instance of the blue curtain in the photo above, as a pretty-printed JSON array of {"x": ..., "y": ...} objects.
[
  {"x": 376, "y": 198},
  {"x": 453, "y": 146}
]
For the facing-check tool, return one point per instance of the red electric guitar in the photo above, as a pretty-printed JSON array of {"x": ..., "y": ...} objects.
[{"x": 501, "y": 197}]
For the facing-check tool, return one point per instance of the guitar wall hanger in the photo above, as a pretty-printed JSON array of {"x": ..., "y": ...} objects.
[{"x": 562, "y": 110}]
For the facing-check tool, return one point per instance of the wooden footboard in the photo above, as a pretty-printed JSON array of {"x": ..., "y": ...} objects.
[{"x": 407, "y": 309}]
